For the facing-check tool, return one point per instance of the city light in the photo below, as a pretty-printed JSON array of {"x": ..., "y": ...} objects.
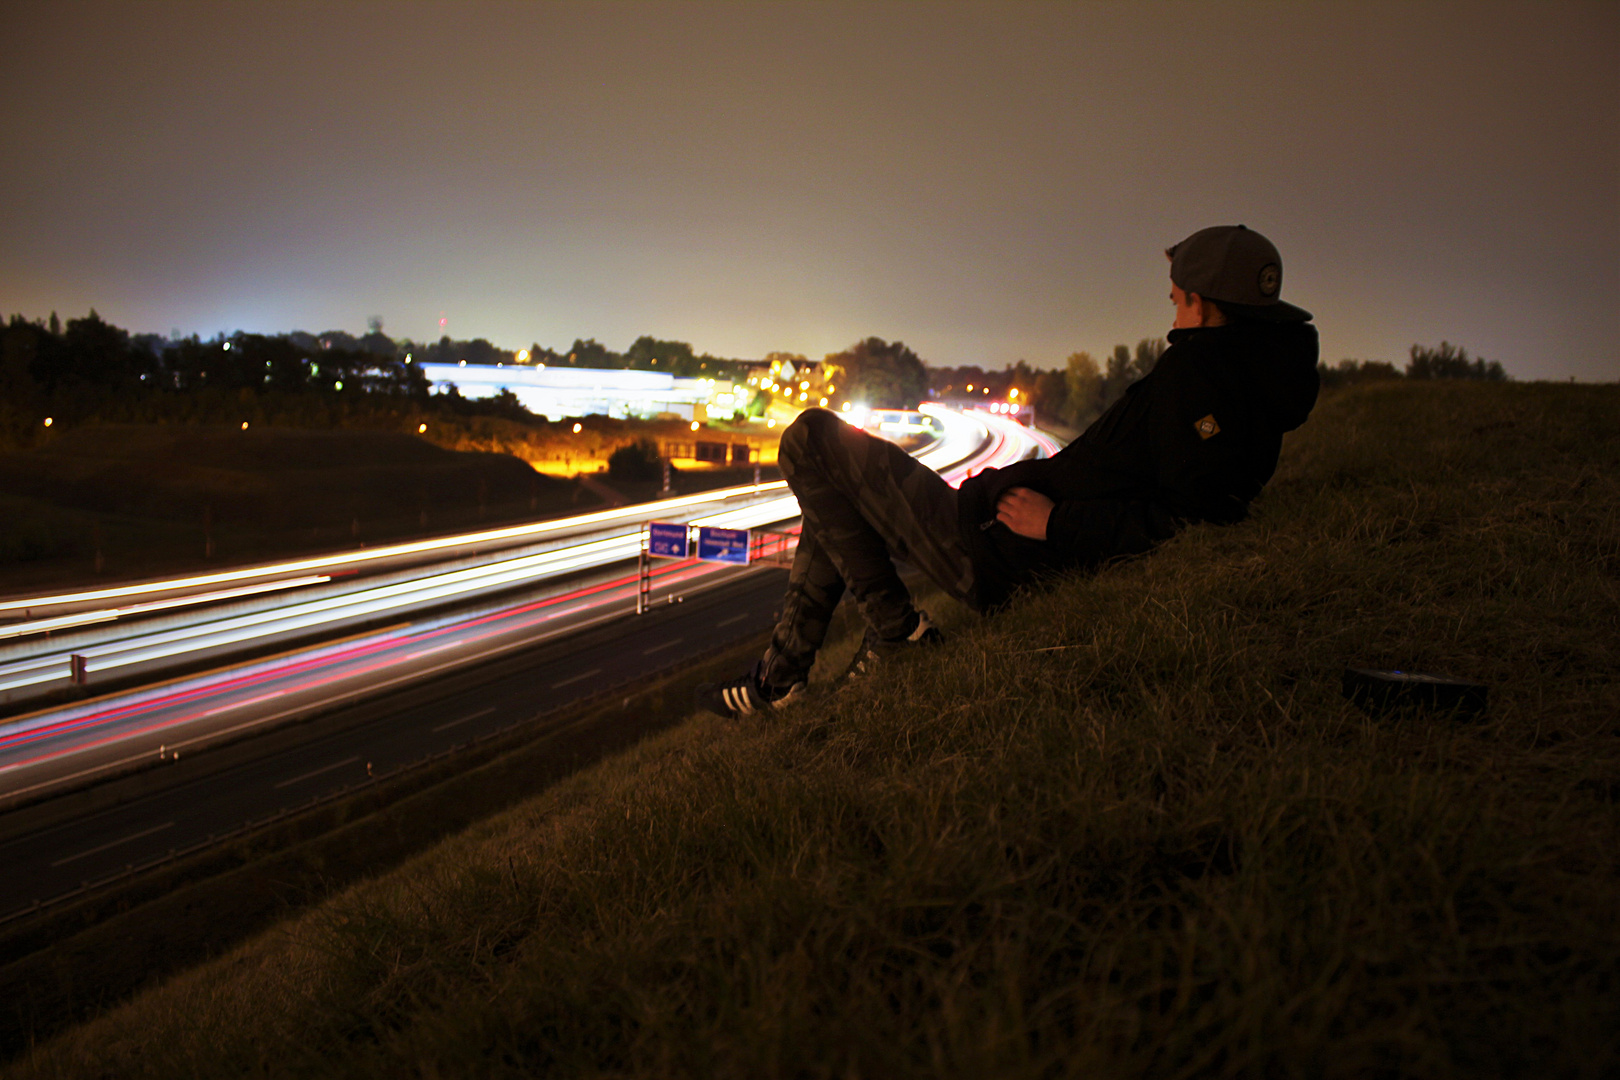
[
  {"x": 1012, "y": 393},
  {"x": 523, "y": 356},
  {"x": 577, "y": 428},
  {"x": 244, "y": 425},
  {"x": 421, "y": 429},
  {"x": 48, "y": 421},
  {"x": 823, "y": 403},
  {"x": 694, "y": 425}
]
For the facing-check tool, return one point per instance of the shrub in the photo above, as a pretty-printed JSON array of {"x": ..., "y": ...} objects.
[{"x": 638, "y": 460}]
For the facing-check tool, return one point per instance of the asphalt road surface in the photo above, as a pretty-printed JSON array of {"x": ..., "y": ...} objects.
[{"x": 78, "y": 844}]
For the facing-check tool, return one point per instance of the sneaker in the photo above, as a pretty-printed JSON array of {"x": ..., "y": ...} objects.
[
  {"x": 874, "y": 649},
  {"x": 743, "y": 696}
]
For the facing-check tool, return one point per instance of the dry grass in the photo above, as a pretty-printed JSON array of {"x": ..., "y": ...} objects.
[{"x": 1126, "y": 828}]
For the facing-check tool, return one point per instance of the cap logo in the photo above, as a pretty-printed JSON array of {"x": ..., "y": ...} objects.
[
  {"x": 1270, "y": 280},
  {"x": 1207, "y": 427}
]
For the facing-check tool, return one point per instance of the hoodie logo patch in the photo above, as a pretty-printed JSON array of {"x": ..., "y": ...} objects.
[{"x": 1207, "y": 427}]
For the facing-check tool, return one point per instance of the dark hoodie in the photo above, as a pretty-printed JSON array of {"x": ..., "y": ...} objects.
[{"x": 1195, "y": 440}]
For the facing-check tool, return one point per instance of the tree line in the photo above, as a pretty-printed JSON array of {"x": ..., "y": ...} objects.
[
  {"x": 1443, "y": 361},
  {"x": 91, "y": 369},
  {"x": 1070, "y": 396},
  {"x": 1083, "y": 389}
]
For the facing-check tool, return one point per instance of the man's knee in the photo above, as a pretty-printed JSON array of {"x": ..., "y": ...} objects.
[{"x": 813, "y": 428}]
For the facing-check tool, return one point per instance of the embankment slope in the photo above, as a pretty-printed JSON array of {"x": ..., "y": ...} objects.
[{"x": 1126, "y": 827}]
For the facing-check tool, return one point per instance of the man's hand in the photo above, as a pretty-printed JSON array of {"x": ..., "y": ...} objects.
[{"x": 1024, "y": 512}]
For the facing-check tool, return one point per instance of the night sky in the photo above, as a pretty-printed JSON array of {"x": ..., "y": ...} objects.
[{"x": 986, "y": 183}]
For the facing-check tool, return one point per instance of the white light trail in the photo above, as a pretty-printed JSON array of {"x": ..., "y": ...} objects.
[
  {"x": 636, "y": 512},
  {"x": 86, "y": 618}
]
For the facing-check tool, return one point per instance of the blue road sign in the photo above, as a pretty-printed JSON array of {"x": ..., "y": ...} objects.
[
  {"x": 667, "y": 538},
  {"x": 722, "y": 545}
]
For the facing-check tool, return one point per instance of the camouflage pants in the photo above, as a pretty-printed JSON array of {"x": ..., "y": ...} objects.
[{"x": 866, "y": 503}]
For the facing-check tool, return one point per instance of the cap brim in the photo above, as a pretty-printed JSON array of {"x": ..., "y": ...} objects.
[{"x": 1281, "y": 311}]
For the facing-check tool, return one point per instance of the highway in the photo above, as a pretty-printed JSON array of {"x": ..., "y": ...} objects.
[
  {"x": 563, "y": 614},
  {"x": 586, "y": 657}
]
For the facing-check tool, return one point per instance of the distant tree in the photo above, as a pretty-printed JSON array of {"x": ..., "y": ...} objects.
[
  {"x": 1051, "y": 394},
  {"x": 20, "y": 346},
  {"x": 540, "y": 354},
  {"x": 590, "y": 353},
  {"x": 1118, "y": 375},
  {"x": 506, "y": 404},
  {"x": 1448, "y": 361},
  {"x": 1148, "y": 351},
  {"x": 882, "y": 374},
  {"x": 272, "y": 362},
  {"x": 953, "y": 381},
  {"x": 91, "y": 355},
  {"x": 374, "y": 324},
  {"x": 649, "y": 354},
  {"x": 339, "y": 339},
  {"x": 151, "y": 344},
  {"x": 1084, "y": 383},
  {"x": 1350, "y": 372},
  {"x": 638, "y": 460},
  {"x": 1017, "y": 376},
  {"x": 378, "y": 344}
]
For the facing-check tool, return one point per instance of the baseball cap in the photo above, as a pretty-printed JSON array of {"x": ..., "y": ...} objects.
[{"x": 1236, "y": 266}]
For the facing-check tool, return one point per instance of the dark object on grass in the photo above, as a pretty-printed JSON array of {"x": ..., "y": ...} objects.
[{"x": 1383, "y": 693}]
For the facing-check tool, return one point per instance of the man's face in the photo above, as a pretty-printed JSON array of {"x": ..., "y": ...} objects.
[{"x": 1189, "y": 308}]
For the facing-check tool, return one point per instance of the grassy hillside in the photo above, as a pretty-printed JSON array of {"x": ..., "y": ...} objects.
[{"x": 1127, "y": 827}]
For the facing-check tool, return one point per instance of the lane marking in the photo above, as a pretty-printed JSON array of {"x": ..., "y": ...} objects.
[
  {"x": 660, "y": 648},
  {"x": 111, "y": 844},
  {"x": 425, "y": 652},
  {"x": 576, "y": 678},
  {"x": 734, "y": 618},
  {"x": 244, "y": 704},
  {"x": 317, "y": 772},
  {"x": 463, "y": 720}
]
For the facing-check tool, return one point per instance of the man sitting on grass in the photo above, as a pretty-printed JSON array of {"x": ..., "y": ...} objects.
[{"x": 1195, "y": 440}]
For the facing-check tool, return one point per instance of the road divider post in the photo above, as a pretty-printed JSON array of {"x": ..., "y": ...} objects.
[{"x": 664, "y": 540}]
